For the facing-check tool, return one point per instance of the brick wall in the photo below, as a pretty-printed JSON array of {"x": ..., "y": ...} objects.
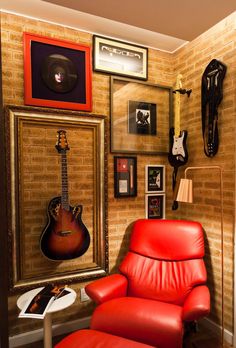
[
  {"x": 218, "y": 42},
  {"x": 191, "y": 61}
]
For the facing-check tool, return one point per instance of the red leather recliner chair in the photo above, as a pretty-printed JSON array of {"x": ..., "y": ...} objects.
[{"x": 161, "y": 285}]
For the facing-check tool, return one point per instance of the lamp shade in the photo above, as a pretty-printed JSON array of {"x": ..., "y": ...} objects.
[{"x": 185, "y": 191}]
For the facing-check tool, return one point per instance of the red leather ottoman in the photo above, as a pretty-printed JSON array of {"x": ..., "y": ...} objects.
[{"x": 97, "y": 339}]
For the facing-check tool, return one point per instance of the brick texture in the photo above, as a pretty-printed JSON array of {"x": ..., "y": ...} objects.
[{"x": 191, "y": 60}]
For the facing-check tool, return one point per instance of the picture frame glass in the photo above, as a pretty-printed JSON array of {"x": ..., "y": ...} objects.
[{"x": 141, "y": 115}]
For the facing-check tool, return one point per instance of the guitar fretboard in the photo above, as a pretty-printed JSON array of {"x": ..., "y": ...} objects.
[
  {"x": 64, "y": 183},
  {"x": 177, "y": 106}
]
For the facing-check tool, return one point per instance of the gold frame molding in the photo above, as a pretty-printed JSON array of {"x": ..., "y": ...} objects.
[{"x": 18, "y": 119}]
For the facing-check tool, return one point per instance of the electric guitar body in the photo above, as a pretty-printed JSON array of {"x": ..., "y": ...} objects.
[
  {"x": 178, "y": 155},
  {"x": 65, "y": 236}
]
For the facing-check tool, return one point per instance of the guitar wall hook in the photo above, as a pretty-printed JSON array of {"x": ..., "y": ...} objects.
[
  {"x": 212, "y": 94},
  {"x": 183, "y": 91}
]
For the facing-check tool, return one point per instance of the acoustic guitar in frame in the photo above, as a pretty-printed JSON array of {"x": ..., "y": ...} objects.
[
  {"x": 65, "y": 236},
  {"x": 178, "y": 154}
]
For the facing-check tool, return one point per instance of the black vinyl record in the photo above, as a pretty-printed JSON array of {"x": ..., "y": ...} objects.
[{"x": 59, "y": 73}]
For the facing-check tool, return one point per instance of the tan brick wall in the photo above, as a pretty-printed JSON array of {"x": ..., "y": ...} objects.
[
  {"x": 191, "y": 61},
  {"x": 219, "y": 42}
]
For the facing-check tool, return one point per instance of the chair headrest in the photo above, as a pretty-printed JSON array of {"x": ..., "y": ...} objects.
[{"x": 167, "y": 239}]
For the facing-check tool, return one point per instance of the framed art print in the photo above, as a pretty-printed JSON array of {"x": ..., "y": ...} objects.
[
  {"x": 57, "y": 73},
  {"x": 125, "y": 176},
  {"x": 119, "y": 58},
  {"x": 154, "y": 178},
  {"x": 155, "y": 206},
  {"x": 141, "y": 116}
]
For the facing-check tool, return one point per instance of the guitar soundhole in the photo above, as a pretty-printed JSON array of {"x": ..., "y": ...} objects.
[{"x": 54, "y": 207}]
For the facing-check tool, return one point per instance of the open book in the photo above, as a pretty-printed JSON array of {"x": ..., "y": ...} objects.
[{"x": 38, "y": 306}]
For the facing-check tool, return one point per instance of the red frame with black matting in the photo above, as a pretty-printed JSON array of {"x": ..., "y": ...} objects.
[{"x": 36, "y": 93}]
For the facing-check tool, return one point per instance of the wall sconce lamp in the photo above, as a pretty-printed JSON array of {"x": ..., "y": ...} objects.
[{"x": 185, "y": 194}]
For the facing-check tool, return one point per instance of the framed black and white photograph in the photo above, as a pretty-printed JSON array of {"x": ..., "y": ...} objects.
[
  {"x": 125, "y": 176},
  {"x": 142, "y": 117},
  {"x": 155, "y": 206},
  {"x": 154, "y": 178},
  {"x": 119, "y": 58}
]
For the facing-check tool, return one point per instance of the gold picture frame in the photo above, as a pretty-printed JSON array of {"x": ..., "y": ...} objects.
[
  {"x": 33, "y": 167},
  {"x": 135, "y": 134}
]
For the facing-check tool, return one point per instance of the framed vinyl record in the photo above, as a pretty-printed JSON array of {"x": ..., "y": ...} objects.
[{"x": 57, "y": 73}]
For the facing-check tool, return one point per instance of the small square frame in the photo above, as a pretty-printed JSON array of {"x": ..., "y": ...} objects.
[
  {"x": 142, "y": 117},
  {"x": 155, "y": 206},
  {"x": 154, "y": 178},
  {"x": 125, "y": 176}
]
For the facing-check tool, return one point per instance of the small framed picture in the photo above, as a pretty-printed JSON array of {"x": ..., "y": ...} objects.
[
  {"x": 120, "y": 58},
  {"x": 142, "y": 118},
  {"x": 154, "y": 178},
  {"x": 125, "y": 176},
  {"x": 155, "y": 206}
]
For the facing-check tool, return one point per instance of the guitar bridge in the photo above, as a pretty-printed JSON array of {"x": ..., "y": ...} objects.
[{"x": 65, "y": 233}]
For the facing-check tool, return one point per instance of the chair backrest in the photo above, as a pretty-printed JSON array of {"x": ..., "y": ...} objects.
[{"x": 165, "y": 259}]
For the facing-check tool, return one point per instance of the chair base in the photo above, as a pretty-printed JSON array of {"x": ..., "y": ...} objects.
[{"x": 97, "y": 339}]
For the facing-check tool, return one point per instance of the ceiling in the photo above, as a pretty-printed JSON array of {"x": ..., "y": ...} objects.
[{"x": 161, "y": 24}]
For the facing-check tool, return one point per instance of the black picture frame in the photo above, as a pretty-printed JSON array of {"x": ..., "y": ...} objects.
[
  {"x": 125, "y": 176},
  {"x": 154, "y": 178},
  {"x": 155, "y": 206},
  {"x": 120, "y": 58},
  {"x": 142, "y": 117}
]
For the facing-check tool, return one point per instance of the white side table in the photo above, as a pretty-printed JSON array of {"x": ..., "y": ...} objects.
[{"x": 59, "y": 304}]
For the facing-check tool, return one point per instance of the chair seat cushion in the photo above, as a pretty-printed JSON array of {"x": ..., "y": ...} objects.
[
  {"x": 96, "y": 339},
  {"x": 152, "y": 322}
]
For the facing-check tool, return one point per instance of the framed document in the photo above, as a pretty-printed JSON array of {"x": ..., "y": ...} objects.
[{"x": 125, "y": 176}]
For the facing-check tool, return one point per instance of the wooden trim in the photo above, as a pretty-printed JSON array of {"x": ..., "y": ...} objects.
[{"x": 4, "y": 342}]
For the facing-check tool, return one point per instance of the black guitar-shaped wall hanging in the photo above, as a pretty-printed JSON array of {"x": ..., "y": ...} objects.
[
  {"x": 212, "y": 94},
  {"x": 65, "y": 236},
  {"x": 178, "y": 154}
]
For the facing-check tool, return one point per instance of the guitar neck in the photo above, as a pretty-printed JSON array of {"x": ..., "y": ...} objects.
[
  {"x": 177, "y": 114},
  {"x": 177, "y": 105},
  {"x": 64, "y": 183}
]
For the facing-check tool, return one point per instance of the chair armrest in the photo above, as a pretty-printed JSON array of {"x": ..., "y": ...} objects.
[
  {"x": 107, "y": 288},
  {"x": 197, "y": 304}
]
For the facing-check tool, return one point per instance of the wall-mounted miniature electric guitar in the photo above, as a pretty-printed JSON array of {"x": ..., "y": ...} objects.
[
  {"x": 65, "y": 236},
  {"x": 178, "y": 154}
]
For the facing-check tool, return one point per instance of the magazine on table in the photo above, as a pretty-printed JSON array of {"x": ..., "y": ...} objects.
[{"x": 38, "y": 306}]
